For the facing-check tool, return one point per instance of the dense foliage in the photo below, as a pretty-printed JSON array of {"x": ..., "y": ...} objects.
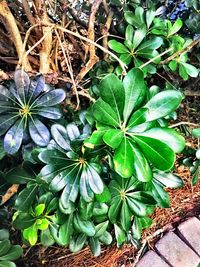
[{"x": 95, "y": 175}]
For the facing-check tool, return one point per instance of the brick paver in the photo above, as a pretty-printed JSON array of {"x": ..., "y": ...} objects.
[
  {"x": 151, "y": 259},
  {"x": 176, "y": 252},
  {"x": 190, "y": 231}
]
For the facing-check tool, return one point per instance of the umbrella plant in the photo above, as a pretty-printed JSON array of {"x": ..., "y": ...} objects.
[{"x": 23, "y": 107}]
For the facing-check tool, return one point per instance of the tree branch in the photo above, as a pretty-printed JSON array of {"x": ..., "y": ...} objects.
[{"x": 11, "y": 26}]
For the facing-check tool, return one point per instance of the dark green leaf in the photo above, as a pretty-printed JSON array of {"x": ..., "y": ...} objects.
[
  {"x": 105, "y": 114},
  {"x": 112, "y": 92},
  {"x": 95, "y": 246},
  {"x": 50, "y": 98},
  {"x": 77, "y": 244},
  {"x": 160, "y": 195},
  {"x": 72, "y": 131},
  {"x": 19, "y": 176},
  {"x": 39, "y": 132},
  {"x": 160, "y": 155},
  {"x": 59, "y": 134},
  {"x": 50, "y": 113},
  {"x": 26, "y": 197},
  {"x": 135, "y": 89},
  {"x": 168, "y": 179},
  {"x": 13, "y": 254},
  {"x": 86, "y": 227},
  {"x": 162, "y": 104},
  {"x": 13, "y": 138},
  {"x": 120, "y": 235}
]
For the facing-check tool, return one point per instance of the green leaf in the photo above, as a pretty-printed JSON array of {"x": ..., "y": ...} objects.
[
  {"x": 105, "y": 114},
  {"x": 19, "y": 176},
  {"x": 150, "y": 15},
  {"x": 152, "y": 44},
  {"x": 59, "y": 134},
  {"x": 129, "y": 33},
  {"x": 105, "y": 196},
  {"x": 100, "y": 228},
  {"x": 72, "y": 131},
  {"x": 190, "y": 69},
  {"x": 125, "y": 216},
  {"x": 138, "y": 37},
  {"x": 118, "y": 47},
  {"x": 39, "y": 209},
  {"x": 141, "y": 167},
  {"x": 42, "y": 224},
  {"x": 13, "y": 254},
  {"x": 196, "y": 132},
  {"x": 4, "y": 234},
  {"x": 120, "y": 235},
  {"x": 31, "y": 234},
  {"x": 7, "y": 264},
  {"x": 168, "y": 136},
  {"x": 183, "y": 72},
  {"x": 124, "y": 159},
  {"x": 168, "y": 179},
  {"x": 160, "y": 195},
  {"x": 46, "y": 238},
  {"x": 50, "y": 99},
  {"x": 135, "y": 89},
  {"x": 173, "y": 65},
  {"x": 95, "y": 246},
  {"x": 66, "y": 231},
  {"x": 2, "y": 152},
  {"x": 13, "y": 138},
  {"x": 113, "y": 137},
  {"x": 4, "y": 247},
  {"x": 26, "y": 197},
  {"x": 77, "y": 244},
  {"x": 175, "y": 28},
  {"x": 94, "y": 180},
  {"x": 6, "y": 121},
  {"x": 39, "y": 132},
  {"x": 86, "y": 227},
  {"x": 137, "y": 207},
  {"x": 114, "y": 209},
  {"x": 138, "y": 118},
  {"x": 112, "y": 92},
  {"x": 162, "y": 104},
  {"x": 160, "y": 154},
  {"x": 53, "y": 113},
  {"x": 106, "y": 238},
  {"x": 23, "y": 220}
]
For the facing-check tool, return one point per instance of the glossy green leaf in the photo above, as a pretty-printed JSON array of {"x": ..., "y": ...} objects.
[
  {"x": 59, "y": 134},
  {"x": 50, "y": 113},
  {"x": 39, "y": 132},
  {"x": 31, "y": 234},
  {"x": 26, "y": 197},
  {"x": 13, "y": 254},
  {"x": 113, "y": 137},
  {"x": 94, "y": 180},
  {"x": 117, "y": 47},
  {"x": 19, "y": 176},
  {"x": 150, "y": 15},
  {"x": 7, "y": 264},
  {"x": 125, "y": 216},
  {"x": 162, "y": 104},
  {"x": 152, "y": 44},
  {"x": 168, "y": 136},
  {"x": 157, "y": 152},
  {"x": 51, "y": 98},
  {"x": 137, "y": 118},
  {"x": 160, "y": 195},
  {"x": 106, "y": 238},
  {"x": 85, "y": 189},
  {"x": 124, "y": 159},
  {"x": 129, "y": 33},
  {"x": 86, "y": 227},
  {"x": 95, "y": 246},
  {"x": 101, "y": 228},
  {"x": 168, "y": 179},
  {"x": 176, "y": 27},
  {"x": 77, "y": 243},
  {"x": 105, "y": 114},
  {"x": 13, "y": 138},
  {"x": 72, "y": 131},
  {"x": 196, "y": 132},
  {"x": 120, "y": 235},
  {"x": 4, "y": 247},
  {"x": 65, "y": 231},
  {"x": 190, "y": 69},
  {"x": 141, "y": 167},
  {"x": 137, "y": 207},
  {"x": 23, "y": 220},
  {"x": 135, "y": 89},
  {"x": 114, "y": 209},
  {"x": 138, "y": 37},
  {"x": 112, "y": 92}
]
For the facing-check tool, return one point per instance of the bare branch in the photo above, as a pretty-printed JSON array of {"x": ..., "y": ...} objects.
[{"x": 11, "y": 26}]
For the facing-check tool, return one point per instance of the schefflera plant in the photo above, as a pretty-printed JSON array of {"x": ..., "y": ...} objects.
[
  {"x": 70, "y": 167},
  {"x": 23, "y": 109},
  {"x": 128, "y": 123}
]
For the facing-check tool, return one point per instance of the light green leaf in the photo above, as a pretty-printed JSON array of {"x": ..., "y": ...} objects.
[{"x": 175, "y": 28}]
